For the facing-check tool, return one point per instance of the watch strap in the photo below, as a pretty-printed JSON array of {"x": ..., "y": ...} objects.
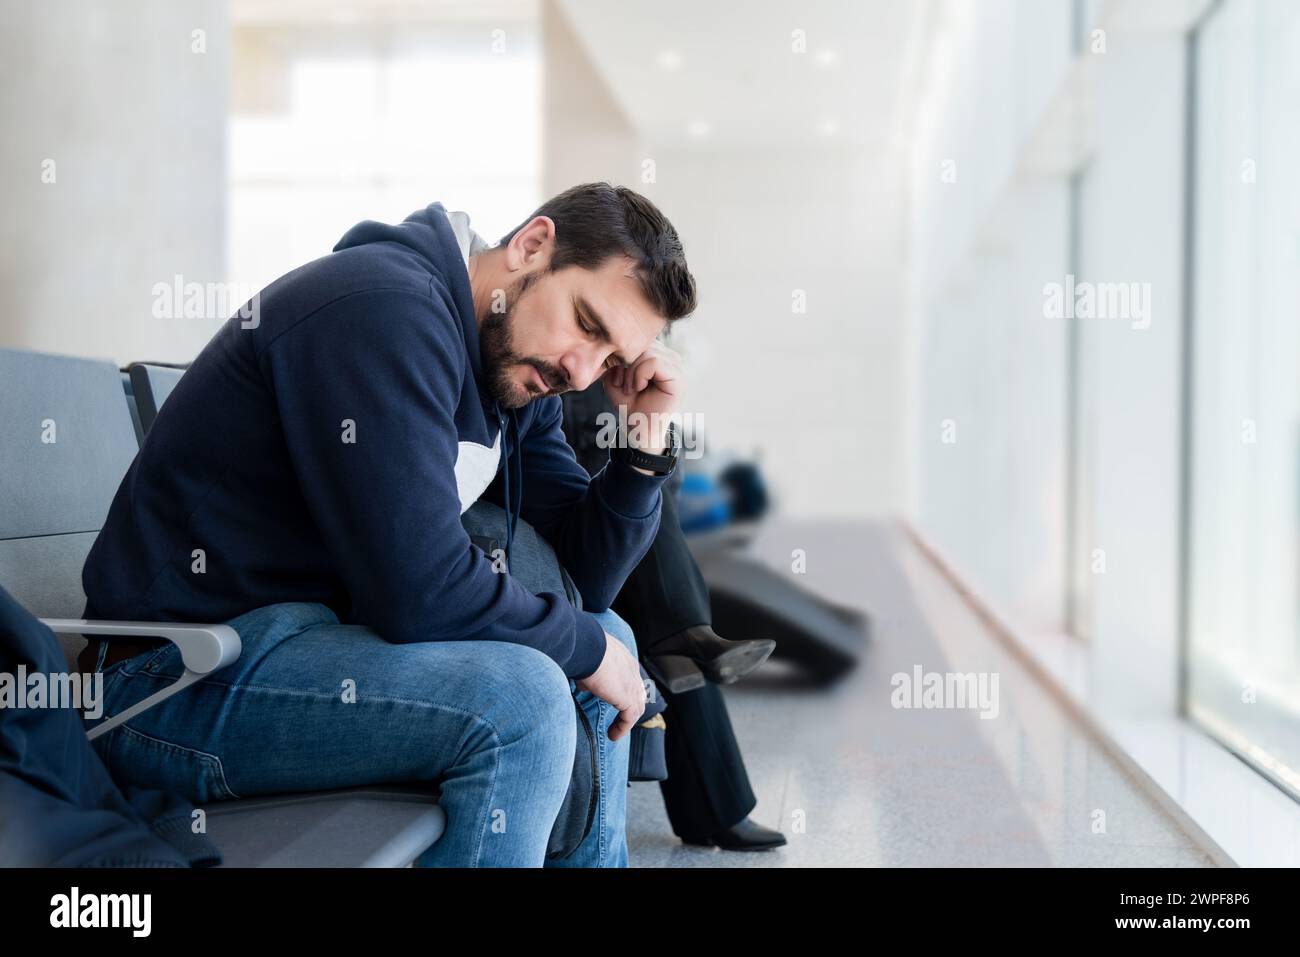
[{"x": 659, "y": 464}]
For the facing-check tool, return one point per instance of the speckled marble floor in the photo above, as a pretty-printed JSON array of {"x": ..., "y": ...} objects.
[{"x": 876, "y": 785}]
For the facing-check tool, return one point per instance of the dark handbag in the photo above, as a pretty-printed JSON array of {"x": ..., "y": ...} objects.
[{"x": 648, "y": 760}]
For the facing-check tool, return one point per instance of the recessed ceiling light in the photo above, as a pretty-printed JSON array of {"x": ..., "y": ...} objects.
[
  {"x": 828, "y": 127},
  {"x": 698, "y": 128},
  {"x": 826, "y": 57},
  {"x": 669, "y": 60}
]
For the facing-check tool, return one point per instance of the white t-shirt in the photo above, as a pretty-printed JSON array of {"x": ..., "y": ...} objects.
[
  {"x": 471, "y": 243},
  {"x": 476, "y": 465}
]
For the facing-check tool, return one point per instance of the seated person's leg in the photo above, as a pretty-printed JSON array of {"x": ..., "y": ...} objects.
[
  {"x": 665, "y": 593},
  {"x": 665, "y": 599},
  {"x": 707, "y": 789},
  {"x": 606, "y": 845},
  {"x": 534, "y": 564},
  {"x": 314, "y": 705}
]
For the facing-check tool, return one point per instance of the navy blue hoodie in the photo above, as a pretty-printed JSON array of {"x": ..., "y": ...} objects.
[{"x": 313, "y": 458}]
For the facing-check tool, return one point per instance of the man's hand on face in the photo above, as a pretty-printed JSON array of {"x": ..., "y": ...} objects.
[
  {"x": 651, "y": 386},
  {"x": 618, "y": 681}
]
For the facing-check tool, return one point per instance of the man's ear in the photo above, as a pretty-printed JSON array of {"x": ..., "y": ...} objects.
[{"x": 532, "y": 244}]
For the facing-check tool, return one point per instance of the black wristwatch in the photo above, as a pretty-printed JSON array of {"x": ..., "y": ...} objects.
[{"x": 659, "y": 464}]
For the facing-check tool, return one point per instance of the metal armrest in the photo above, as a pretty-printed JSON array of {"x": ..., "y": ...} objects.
[{"x": 204, "y": 649}]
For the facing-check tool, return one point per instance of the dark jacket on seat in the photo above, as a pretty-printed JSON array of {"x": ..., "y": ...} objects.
[{"x": 58, "y": 805}]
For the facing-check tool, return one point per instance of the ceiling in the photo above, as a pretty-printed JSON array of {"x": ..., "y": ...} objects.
[
  {"x": 686, "y": 70},
  {"x": 718, "y": 72}
]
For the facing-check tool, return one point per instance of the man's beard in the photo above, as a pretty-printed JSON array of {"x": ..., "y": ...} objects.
[{"x": 500, "y": 359}]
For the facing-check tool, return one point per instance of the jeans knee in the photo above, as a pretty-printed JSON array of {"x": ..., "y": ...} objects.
[{"x": 534, "y": 696}]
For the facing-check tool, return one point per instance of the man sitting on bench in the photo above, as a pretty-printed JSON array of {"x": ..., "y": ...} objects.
[{"x": 305, "y": 483}]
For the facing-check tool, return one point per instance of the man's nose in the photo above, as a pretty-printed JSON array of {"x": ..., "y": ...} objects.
[{"x": 581, "y": 369}]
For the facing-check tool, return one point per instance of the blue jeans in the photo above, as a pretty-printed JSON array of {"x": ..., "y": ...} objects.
[{"x": 312, "y": 704}]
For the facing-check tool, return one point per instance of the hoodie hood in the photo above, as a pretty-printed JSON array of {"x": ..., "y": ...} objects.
[{"x": 430, "y": 235}]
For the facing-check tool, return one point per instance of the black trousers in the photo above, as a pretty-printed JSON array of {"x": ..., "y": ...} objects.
[{"x": 707, "y": 788}]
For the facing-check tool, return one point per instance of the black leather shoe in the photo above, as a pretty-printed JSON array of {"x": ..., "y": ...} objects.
[
  {"x": 745, "y": 836},
  {"x": 722, "y": 660}
]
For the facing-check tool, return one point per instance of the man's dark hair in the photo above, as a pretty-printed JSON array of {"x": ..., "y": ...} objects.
[{"x": 594, "y": 221}]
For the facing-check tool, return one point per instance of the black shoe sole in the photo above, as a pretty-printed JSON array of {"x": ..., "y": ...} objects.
[
  {"x": 709, "y": 842},
  {"x": 730, "y": 666}
]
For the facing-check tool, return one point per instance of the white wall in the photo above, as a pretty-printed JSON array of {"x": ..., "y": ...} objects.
[
  {"x": 1017, "y": 114},
  {"x": 819, "y": 393},
  {"x": 990, "y": 427},
  {"x": 586, "y": 136},
  {"x": 134, "y": 121},
  {"x": 1133, "y": 231}
]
